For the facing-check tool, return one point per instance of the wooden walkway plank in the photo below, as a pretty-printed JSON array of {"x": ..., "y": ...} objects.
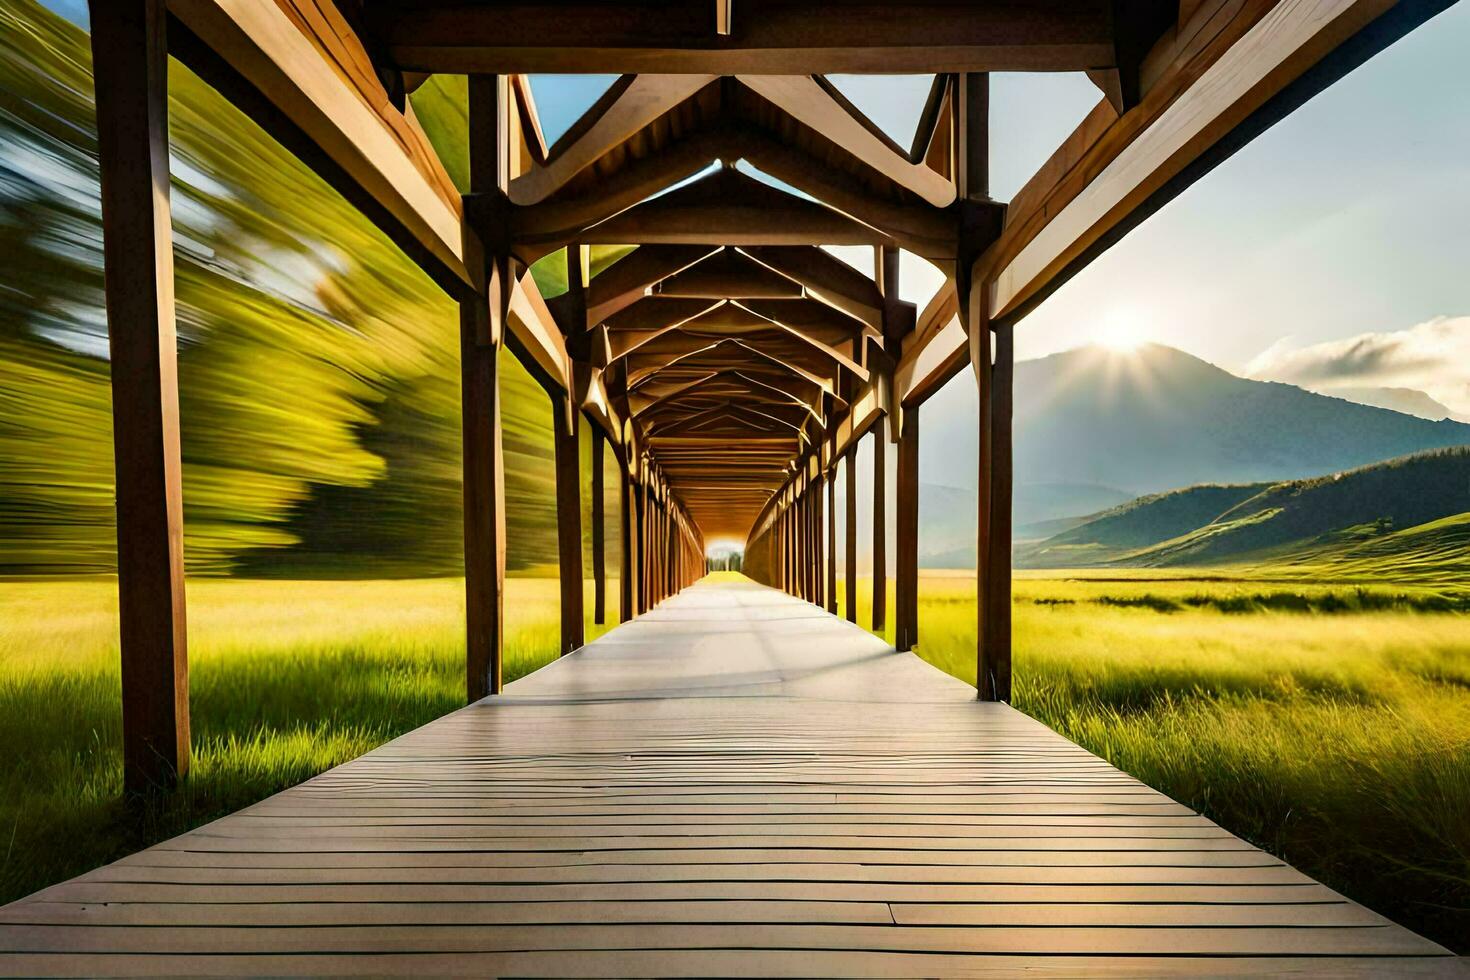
[{"x": 737, "y": 783}]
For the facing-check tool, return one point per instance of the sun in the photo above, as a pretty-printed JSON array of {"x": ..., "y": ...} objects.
[{"x": 1121, "y": 332}]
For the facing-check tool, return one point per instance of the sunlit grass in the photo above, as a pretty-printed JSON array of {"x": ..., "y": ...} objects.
[
  {"x": 1323, "y": 722},
  {"x": 287, "y": 679},
  {"x": 1328, "y": 723}
]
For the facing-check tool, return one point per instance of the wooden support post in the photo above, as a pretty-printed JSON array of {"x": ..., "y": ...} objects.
[
  {"x": 482, "y": 331},
  {"x": 484, "y": 505},
  {"x": 566, "y": 421},
  {"x": 653, "y": 595},
  {"x": 815, "y": 537},
  {"x": 850, "y": 537},
  {"x": 907, "y": 583},
  {"x": 880, "y": 529},
  {"x": 980, "y": 225},
  {"x": 786, "y": 563},
  {"x": 995, "y": 647},
  {"x": 641, "y": 537},
  {"x": 130, "y": 59},
  {"x": 655, "y": 554},
  {"x": 599, "y": 555},
  {"x": 804, "y": 542},
  {"x": 626, "y": 594},
  {"x": 819, "y": 550},
  {"x": 832, "y": 540}
]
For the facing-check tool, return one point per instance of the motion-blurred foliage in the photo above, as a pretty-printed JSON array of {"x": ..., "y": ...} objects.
[{"x": 319, "y": 378}]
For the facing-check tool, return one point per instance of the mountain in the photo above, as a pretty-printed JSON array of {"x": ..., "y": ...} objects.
[
  {"x": 1158, "y": 418},
  {"x": 1136, "y": 525},
  {"x": 1044, "y": 502},
  {"x": 1403, "y": 514},
  {"x": 1410, "y": 401}
]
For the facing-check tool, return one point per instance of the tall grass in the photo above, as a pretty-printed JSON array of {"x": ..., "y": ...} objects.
[
  {"x": 1329, "y": 724},
  {"x": 1330, "y": 727},
  {"x": 287, "y": 679}
]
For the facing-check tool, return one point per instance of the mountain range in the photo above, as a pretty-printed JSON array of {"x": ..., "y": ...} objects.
[
  {"x": 1410, "y": 514},
  {"x": 1095, "y": 428}
]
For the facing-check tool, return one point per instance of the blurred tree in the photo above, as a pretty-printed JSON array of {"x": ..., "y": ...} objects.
[{"x": 318, "y": 366}]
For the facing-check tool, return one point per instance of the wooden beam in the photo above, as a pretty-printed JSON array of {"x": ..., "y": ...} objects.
[
  {"x": 728, "y": 274},
  {"x": 907, "y": 571},
  {"x": 569, "y": 522},
  {"x": 850, "y": 536},
  {"x": 1229, "y": 72},
  {"x": 994, "y": 674},
  {"x": 972, "y": 137},
  {"x": 1213, "y": 85},
  {"x": 599, "y": 556},
  {"x": 880, "y": 531},
  {"x": 806, "y": 99},
  {"x": 536, "y": 337},
  {"x": 1137, "y": 25},
  {"x": 640, "y": 566},
  {"x": 729, "y": 208},
  {"x": 831, "y": 481},
  {"x": 627, "y": 597},
  {"x": 130, "y": 62},
  {"x": 825, "y": 277},
  {"x": 308, "y": 80},
  {"x": 639, "y": 100},
  {"x": 772, "y": 37},
  {"x": 482, "y": 331},
  {"x": 627, "y": 280}
]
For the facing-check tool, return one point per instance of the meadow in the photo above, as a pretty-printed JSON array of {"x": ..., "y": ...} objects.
[
  {"x": 1328, "y": 723},
  {"x": 287, "y": 679}
]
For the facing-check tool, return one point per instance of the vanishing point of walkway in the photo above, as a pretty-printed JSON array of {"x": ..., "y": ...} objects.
[{"x": 735, "y": 784}]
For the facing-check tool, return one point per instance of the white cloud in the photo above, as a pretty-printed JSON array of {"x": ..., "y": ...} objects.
[{"x": 1432, "y": 357}]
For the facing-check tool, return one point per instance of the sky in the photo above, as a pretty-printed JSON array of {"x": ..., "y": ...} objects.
[{"x": 1344, "y": 229}]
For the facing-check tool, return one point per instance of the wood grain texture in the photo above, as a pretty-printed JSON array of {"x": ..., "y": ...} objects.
[
  {"x": 736, "y": 783},
  {"x": 131, "y": 64}
]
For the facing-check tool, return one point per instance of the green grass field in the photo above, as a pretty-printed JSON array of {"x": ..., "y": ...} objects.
[
  {"x": 286, "y": 679},
  {"x": 1327, "y": 723}
]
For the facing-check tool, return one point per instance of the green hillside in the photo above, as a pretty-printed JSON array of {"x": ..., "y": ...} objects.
[
  {"x": 1140, "y": 523},
  {"x": 1404, "y": 517}
]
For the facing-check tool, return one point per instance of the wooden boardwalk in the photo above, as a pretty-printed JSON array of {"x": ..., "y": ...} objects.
[{"x": 735, "y": 784}]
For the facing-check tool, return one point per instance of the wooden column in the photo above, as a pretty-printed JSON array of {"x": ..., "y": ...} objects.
[
  {"x": 130, "y": 60},
  {"x": 655, "y": 550},
  {"x": 625, "y": 537},
  {"x": 804, "y": 529},
  {"x": 907, "y": 582},
  {"x": 599, "y": 556},
  {"x": 640, "y": 568},
  {"x": 653, "y": 595},
  {"x": 880, "y": 528},
  {"x": 819, "y": 550},
  {"x": 786, "y": 563},
  {"x": 850, "y": 536},
  {"x": 816, "y": 539},
  {"x": 995, "y": 662},
  {"x": 481, "y": 335},
  {"x": 566, "y": 423},
  {"x": 979, "y": 225},
  {"x": 832, "y": 539}
]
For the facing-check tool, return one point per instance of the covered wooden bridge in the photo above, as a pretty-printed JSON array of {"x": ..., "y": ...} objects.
[{"x": 730, "y": 362}]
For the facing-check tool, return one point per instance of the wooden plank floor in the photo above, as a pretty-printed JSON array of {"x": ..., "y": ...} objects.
[{"x": 735, "y": 784}]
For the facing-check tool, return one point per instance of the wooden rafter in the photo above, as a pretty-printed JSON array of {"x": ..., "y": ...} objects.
[
  {"x": 769, "y": 36},
  {"x": 728, "y": 322}
]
